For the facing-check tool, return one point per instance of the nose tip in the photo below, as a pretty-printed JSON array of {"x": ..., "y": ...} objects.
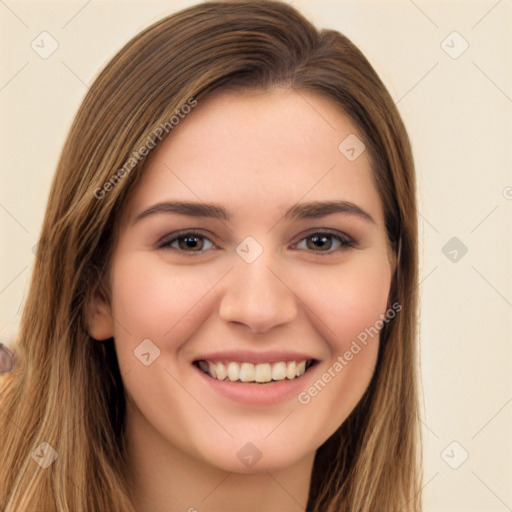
[{"x": 257, "y": 297}]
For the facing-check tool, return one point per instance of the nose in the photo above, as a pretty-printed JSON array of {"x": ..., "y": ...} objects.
[{"x": 257, "y": 296}]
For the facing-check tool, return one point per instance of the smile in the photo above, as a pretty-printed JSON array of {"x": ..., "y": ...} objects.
[{"x": 261, "y": 373}]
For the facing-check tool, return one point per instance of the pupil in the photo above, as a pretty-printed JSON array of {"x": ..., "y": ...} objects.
[
  {"x": 319, "y": 241},
  {"x": 191, "y": 242}
]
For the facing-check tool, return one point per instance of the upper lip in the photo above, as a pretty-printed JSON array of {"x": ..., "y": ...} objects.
[{"x": 248, "y": 356}]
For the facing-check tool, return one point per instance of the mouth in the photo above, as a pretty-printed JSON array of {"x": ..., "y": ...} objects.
[{"x": 250, "y": 373}]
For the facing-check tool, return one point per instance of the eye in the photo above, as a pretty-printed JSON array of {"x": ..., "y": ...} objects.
[
  {"x": 187, "y": 241},
  {"x": 320, "y": 242},
  {"x": 325, "y": 242}
]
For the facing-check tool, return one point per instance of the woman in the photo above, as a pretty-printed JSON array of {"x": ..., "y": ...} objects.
[{"x": 222, "y": 314}]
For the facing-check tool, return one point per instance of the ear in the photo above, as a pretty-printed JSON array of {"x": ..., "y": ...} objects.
[{"x": 99, "y": 317}]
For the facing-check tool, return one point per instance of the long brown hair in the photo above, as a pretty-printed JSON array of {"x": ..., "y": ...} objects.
[{"x": 67, "y": 390}]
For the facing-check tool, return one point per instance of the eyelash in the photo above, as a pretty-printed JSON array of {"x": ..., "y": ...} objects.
[{"x": 345, "y": 241}]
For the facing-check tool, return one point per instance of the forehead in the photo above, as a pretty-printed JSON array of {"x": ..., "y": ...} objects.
[{"x": 257, "y": 151}]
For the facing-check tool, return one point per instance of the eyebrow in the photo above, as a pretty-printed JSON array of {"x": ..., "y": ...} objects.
[{"x": 310, "y": 210}]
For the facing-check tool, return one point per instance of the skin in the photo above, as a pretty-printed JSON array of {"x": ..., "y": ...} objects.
[{"x": 292, "y": 297}]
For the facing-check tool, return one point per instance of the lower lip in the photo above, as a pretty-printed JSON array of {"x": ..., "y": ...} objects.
[{"x": 259, "y": 394}]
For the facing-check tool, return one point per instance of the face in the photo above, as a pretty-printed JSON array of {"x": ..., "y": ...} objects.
[{"x": 238, "y": 327}]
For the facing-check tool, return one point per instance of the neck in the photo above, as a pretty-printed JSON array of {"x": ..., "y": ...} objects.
[{"x": 162, "y": 477}]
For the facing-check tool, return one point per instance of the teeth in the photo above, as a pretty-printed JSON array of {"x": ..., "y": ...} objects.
[
  {"x": 291, "y": 370},
  {"x": 233, "y": 372},
  {"x": 212, "y": 369},
  {"x": 220, "y": 370},
  {"x": 262, "y": 373},
  {"x": 248, "y": 372},
  {"x": 279, "y": 371}
]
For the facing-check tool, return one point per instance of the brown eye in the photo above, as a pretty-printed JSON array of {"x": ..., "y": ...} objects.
[
  {"x": 193, "y": 243},
  {"x": 187, "y": 242},
  {"x": 325, "y": 242},
  {"x": 319, "y": 242}
]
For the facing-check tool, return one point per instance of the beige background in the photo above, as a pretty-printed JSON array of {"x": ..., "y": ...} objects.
[{"x": 458, "y": 113}]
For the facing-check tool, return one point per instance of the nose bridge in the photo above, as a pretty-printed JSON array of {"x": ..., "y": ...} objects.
[{"x": 256, "y": 296}]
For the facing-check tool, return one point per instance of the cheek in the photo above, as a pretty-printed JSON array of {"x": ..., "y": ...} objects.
[
  {"x": 363, "y": 297},
  {"x": 350, "y": 302},
  {"x": 152, "y": 298},
  {"x": 348, "y": 312},
  {"x": 158, "y": 302}
]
